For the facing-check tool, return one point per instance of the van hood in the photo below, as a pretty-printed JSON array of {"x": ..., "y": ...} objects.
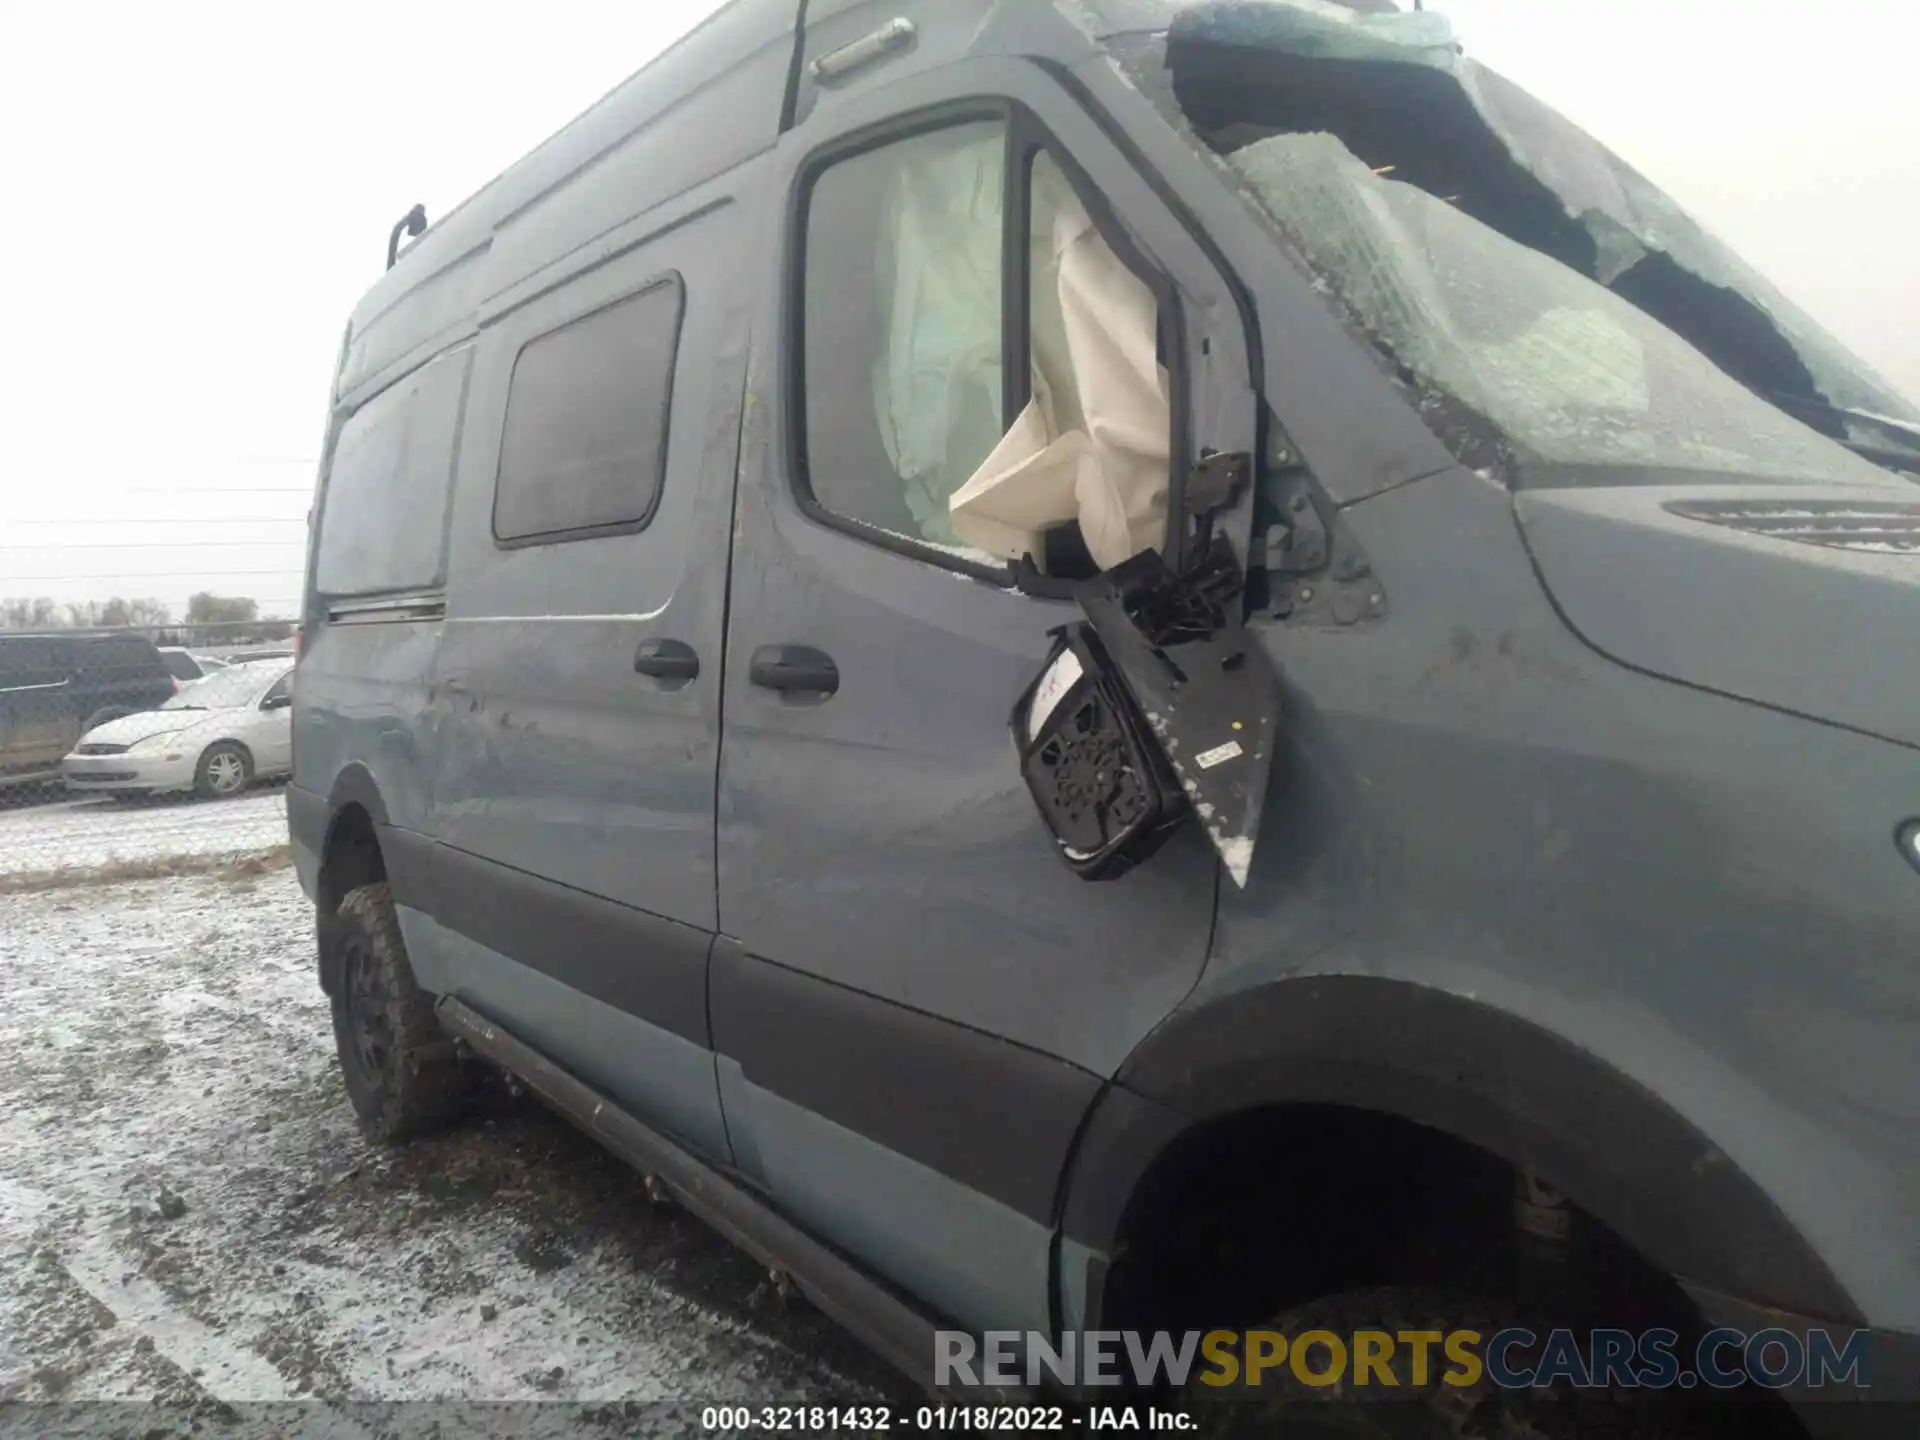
[
  {"x": 1804, "y": 599},
  {"x": 129, "y": 728}
]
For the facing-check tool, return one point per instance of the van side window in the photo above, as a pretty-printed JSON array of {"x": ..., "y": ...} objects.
[
  {"x": 913, "y": 423},
  {"x": 585, "y": 443},
  {"x": 383, "y": 514}
]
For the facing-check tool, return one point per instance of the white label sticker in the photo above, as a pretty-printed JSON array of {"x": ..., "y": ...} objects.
[
  {"x": 1052, "y": 689},
  {"x": 1207, "y": 759}
]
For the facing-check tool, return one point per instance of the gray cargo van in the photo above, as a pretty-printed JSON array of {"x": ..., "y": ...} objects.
[{"x": 1483, "y": 880}]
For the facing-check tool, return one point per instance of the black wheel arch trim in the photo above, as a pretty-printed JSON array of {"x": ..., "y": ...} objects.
[
  {"x": 309, "y": 818},
  {"x": 355, "y": 785},
  {"x": 1475, "y": 1072},
  {"x": 311, "y": 822}
]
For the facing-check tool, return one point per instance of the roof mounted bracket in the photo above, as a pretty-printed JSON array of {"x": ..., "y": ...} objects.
[{"x": 414, "y": 223}]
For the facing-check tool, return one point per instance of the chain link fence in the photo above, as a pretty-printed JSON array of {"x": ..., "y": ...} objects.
[{"x": 142, "y": 750}]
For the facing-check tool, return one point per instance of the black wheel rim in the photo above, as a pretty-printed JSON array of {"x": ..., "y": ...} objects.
[{"x": 369, "y": 1028}]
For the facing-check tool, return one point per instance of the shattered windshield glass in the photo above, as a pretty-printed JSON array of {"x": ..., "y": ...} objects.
[
  {"x": 1508, "y": 262},
  {"x": 1570, "y": 373}
]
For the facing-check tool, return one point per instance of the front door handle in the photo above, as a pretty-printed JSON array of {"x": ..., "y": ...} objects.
[
  {"x": 672, "y": 661},
  {"x": 794, "y": 668}
]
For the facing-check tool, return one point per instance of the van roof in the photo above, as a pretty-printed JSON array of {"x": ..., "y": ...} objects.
[{"x": 440, "y": 276}]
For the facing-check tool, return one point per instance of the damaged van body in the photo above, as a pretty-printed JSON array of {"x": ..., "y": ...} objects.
[{"x": 885, "y": 467}]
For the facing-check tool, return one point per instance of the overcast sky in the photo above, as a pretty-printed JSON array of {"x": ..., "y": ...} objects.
[{"x": 198, "y": 193}]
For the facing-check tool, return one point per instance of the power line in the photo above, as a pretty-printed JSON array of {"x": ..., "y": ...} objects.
[
  {"x": 174, "y": 520},
  {"x": 146, "y": 544},
  {"x": 149, "y": 575},
  {"x": 217, "y": 490}
]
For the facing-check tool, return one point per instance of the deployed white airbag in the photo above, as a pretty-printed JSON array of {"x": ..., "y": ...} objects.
[{"x": 1092, "y": 444}]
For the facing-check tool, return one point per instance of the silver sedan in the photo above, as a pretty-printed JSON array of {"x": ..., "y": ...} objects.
[{"x": 216, "y": 737}]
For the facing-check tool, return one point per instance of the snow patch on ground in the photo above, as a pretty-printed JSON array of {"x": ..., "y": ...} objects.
[
  {"x": 98, "y": 831},
  {"x": 188, "y": 1214}
]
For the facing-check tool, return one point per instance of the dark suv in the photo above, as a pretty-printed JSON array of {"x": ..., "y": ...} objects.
[{"x": 54, "y": 688}]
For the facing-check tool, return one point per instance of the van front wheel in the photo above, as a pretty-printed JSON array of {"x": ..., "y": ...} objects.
[
  {"x": 1417, "y": 1403},
  {"x": 402, "y": 1075}
]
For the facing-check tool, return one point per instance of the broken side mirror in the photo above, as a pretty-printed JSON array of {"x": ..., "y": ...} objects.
[
  {"x": 1103, "y": 786},
  {"x": 1160, "y": 702}
]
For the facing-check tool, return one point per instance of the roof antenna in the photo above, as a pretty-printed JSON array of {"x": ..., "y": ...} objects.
[{"x": 414, "y": 222}]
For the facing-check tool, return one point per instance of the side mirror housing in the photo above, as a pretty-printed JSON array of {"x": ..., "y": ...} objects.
[
  {"x": 1102, "y": 785},
  {"x": 1158, "y": 704}
]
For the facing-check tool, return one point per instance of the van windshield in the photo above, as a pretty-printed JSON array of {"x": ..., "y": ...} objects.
[{"x": 1554, "y": 307}]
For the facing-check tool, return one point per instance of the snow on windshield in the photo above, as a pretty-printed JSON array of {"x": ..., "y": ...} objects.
[{"x": 241, "y": 685}]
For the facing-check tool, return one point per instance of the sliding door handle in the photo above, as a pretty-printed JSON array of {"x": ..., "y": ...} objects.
[
  {"x": 671, "y": 661},
  {"x": 794, "y": 669}
]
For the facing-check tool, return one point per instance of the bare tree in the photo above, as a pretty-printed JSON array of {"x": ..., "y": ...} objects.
[
  {"x": 209, "y": 609},
  {"x": 29, "y": 613}
]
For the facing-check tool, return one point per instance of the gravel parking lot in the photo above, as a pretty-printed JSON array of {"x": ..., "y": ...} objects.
[{"x": 188, "y": 1215}]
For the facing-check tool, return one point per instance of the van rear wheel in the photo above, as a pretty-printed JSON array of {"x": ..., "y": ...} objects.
[{"x": 402, "y": 1075}]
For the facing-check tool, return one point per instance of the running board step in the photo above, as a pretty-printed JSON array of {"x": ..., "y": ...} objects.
[{"x": 877, "y": 1317}]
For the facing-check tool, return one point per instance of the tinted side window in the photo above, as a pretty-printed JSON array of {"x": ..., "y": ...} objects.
[
  {"x": 585, "y": 441},
  {"x": 903, "y": 328},
  {"x": 382, "y": 526},
  {"x": 33, "y": 660},
  {"x": 118, "y": 657}
]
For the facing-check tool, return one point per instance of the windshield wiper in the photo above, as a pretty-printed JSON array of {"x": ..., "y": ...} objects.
[{"x": 183, "y": 707}]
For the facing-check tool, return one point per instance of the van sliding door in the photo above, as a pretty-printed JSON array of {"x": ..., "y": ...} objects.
[{"x": 577, "y": 694}]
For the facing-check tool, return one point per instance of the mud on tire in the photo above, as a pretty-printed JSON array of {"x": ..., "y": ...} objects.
[{"x": 402, "y": 1075}]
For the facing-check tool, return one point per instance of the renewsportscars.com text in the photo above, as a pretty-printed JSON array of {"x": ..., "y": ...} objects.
[{"x": 1514, "y": 1358}]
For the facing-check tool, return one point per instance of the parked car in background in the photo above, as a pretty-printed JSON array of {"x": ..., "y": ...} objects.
[
  {"x": 56, "y": 687},
  {"x": 216, "y": 737}
]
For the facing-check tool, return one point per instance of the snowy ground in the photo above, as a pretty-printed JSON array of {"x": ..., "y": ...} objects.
[
  {"x": 95, "y": 831},
  {"x": 188, "y": 1216}
]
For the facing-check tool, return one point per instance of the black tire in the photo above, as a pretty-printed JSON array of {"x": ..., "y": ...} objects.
[
  {"x": 402, "y": 1075},
  {"x": 225, "y": 770},
  {"x": 1433, "y": 1411}
]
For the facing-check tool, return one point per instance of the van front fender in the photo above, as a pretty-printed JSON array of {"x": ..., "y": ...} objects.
[{"x": 1474, "y": 1072}]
